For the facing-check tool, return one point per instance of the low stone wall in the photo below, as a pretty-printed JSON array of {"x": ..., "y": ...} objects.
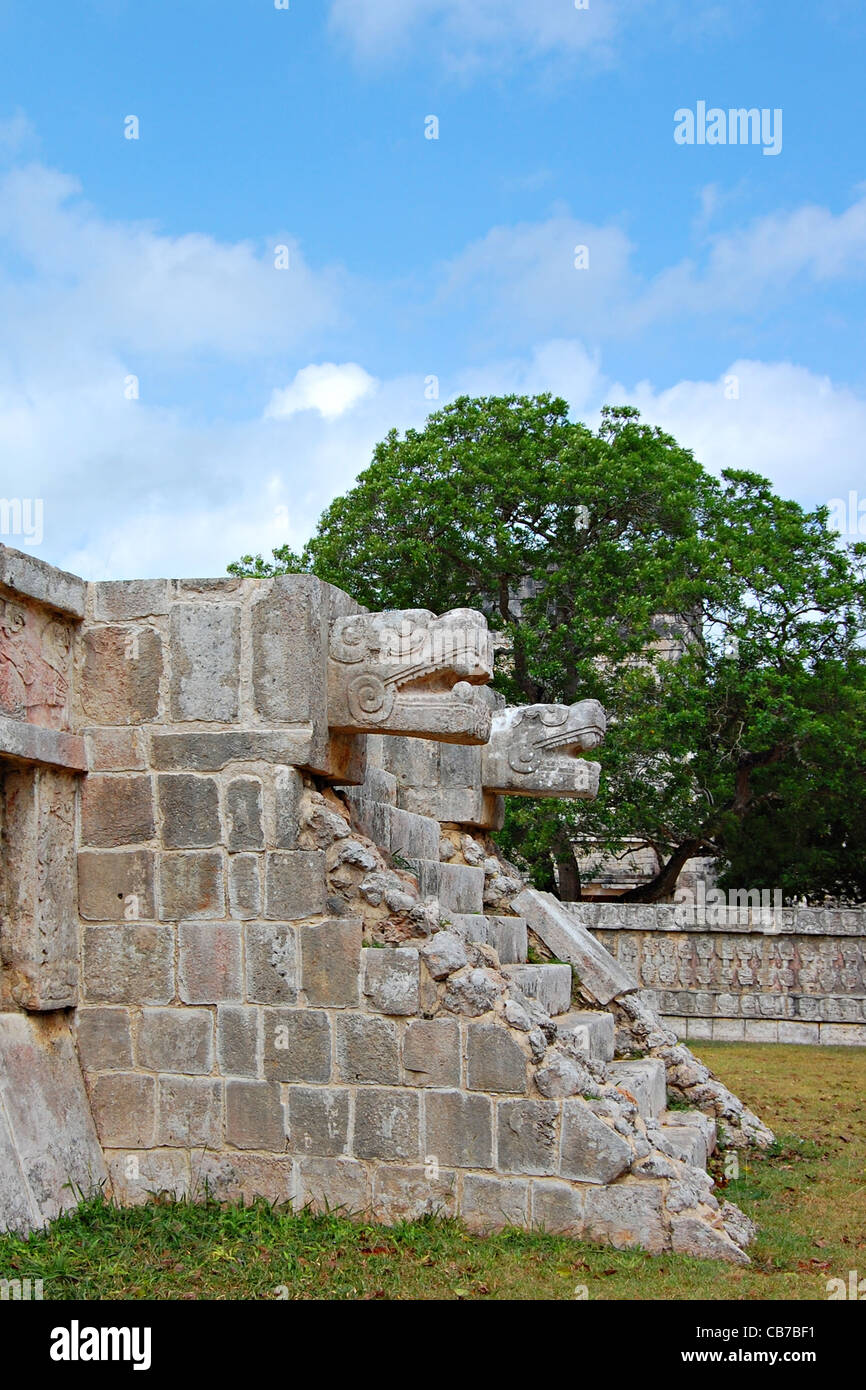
[{"x": 790, "y": 975}]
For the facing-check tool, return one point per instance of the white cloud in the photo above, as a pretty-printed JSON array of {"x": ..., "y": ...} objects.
[{"x": 328, "y": 388}]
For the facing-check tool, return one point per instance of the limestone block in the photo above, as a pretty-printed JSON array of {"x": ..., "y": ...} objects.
[
  {"x": 334, "y": 1184},
  {"x": 104, "y": 1039},
  {"x": 331, "y": 961},
  {"x": 239, "y": 1040},
  {"x": 48, "y": 1144},
  {"x": 295, "y": 884},
  {"x": 644, "y": 1080},
  {"x": 392, "y": 979},
  {"x": 627, "y": 1215},
  {"x": 592, "y": 1151},
  {"x": 528, "y": 1136},
  {"x": 271, "y": 963},
  {"x": 245, "y": 829},
  {"x": 114, "y": 750},
  {"x": 318, "y": 1120},
  {"x": 495, "y": 1062},
  {"x": 139, "y": 1176},
  {"x": 209, "y": 969},
  {"x": 205, "y": 661},
  {"x": 367, "y": 1049},
  {"x": 116, "y": 811},
  {"x": 444, "y": 953},
  {"x": 461, "y": 888},
  {"x": 118, "y": 600},
  {"x": 211, "y": 752},
  {"x": 245, "y": 885},
  {"x": 558, "y": 1207},
  {"x": 386, "y": 1124},
  {"x": 242, "y": 1177},
  {"x": 47, "y": 584},
  {"x": 254, "y": 1115},
  {"x": 175, "y": 1040},
  {"x": 490, "y": 1204},
  {"x": 130, "y": 964},
  {"x": 432, "y": 1052},
  {"x": 191, "y": 885},
  {"x": 190, "y": 1112},
  {"x": 120, "y": 681},
  {"x": 408, "y": 1194},
  {"x": 297, "y": 1045},
  {"x": 692, "y": 1236},
  {"x": 124, "y": 1109},
  {"x": 459, "y": 1129},
  {"x": 600, "y": 974},
  {"x": 288, "y": 787},
  {"x": 189, "y": 810},
  {"x": 116, "y": 883}
]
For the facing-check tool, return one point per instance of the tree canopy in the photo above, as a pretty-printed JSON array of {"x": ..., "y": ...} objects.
[{"x": 593, "y": 553}]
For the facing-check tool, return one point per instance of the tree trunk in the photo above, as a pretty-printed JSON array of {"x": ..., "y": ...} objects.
[
  {"x": 568, "y": 872},
  {"x": 662, "y": 886}
]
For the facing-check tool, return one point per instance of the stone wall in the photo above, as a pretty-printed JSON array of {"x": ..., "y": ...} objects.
[{"x": 794, "y": 974}]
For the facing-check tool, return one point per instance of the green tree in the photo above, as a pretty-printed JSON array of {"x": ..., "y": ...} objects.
[{"x": 590, "y": 552}]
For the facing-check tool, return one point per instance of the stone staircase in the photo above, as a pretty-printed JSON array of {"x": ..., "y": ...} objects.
[{"x": 413, "y": 839}]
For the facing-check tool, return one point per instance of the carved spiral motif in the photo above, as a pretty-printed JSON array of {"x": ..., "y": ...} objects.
[
  {"x": 524, "y": 756},
  {"x": 350, "y": 640},
  {"x": 370, "y": 701}
]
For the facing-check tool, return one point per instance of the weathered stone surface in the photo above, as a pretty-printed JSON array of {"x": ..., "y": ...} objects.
[
  {"x": 367, "y": 1049},
  {"x": 318, "y": 1120},
  {"x": 104, "y": 1039},
  {"x": 528, "y": 1136},
  {"x": 116, "y": 811},
  {"x": 48, "y": 1143},
  {"x": 461, "y": 888},
  {"x": 443, "y": 954},
  {"x": 393, "y": 672},
  {"x": 245, "y": 885},
  {"x": 189, "y": 810},
  {"x": 408, "y": 1194},
  {"x": 297, "y": 1045},
  {"x": 47, "y": 746},
  {"x": 599, "y": 973},
  {"x": 139, "y": 1176},
  {"x": 205, "y": 671},
  {"x": 49, "y": 585},
  {"x": 627, "y": 1214},
  {"x": 239, "y": 1040},
  {"x": 549, "y": 984},
  {"x": 295, "y": 885},
  {"x": 209, "y": 968},
  {"x": 331, "y": 961},
  {"x": 534, "y": 750},
  {"x": 592, "y": 1151},
  {"x": 387, "y": 1124},
  {"x": 489, "y": 1204},
  {"x": 242, "y": 1177},
  {"x": 459, "y": 1129},
  {"x": 495, "y": 1062},
  {"x": 562, "y": 1075},
  {"x": 176, "y": 1040},
  {"x": 644, "y": 1080},
  {"x": 118, "y": 600},
  {"x": 334, "y": 1184},
  {"x": 190, "y": 1112},
  {"x": 432, "y": 1052},
  {"x": 473, "y": 991},
  {"x": 115, "y": 884},
  {"x": 121, "y": 676},
  {"x": 690, "y": 1235},
  {"x": 271, "y": 963},
  {"x": 558, "y": 1207},
  {"x": 211, "y": 752},
  {"x": 254, "y": 1115},
  {"x": 114, "y": 750},
  {"x": 244, "y": 814},
  {"x": 128, "y": 965},
  {"x": 124, "y": 1109},
  {"x": 191, "y": 885},
  {"x": 391, "y": 979}
]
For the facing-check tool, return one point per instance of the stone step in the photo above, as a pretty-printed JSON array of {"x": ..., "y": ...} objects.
[
  {"x": 459, "y": 887},
  {"x": 398, "y": 832},
  {"x": 592, "y": 1030},
  {"x": 644, "y": 1079},
  {"x": 600, "y": 974},
  {"x": 549, "y": 984},
  {"x": 688, "y": 1135},
  {"x": 507, "y": 935}
]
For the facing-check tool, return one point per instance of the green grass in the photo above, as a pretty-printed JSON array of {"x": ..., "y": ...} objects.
[{"x": 808, "y": 1195}]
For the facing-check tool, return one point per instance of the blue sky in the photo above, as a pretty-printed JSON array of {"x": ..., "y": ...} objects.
[{"x": 259, "y": 392}]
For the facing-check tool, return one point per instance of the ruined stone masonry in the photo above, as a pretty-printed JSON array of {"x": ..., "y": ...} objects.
[{"x": 254, "y": 937}]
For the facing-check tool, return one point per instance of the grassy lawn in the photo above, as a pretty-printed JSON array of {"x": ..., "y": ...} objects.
[{"x": 808, "y": 1196}]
